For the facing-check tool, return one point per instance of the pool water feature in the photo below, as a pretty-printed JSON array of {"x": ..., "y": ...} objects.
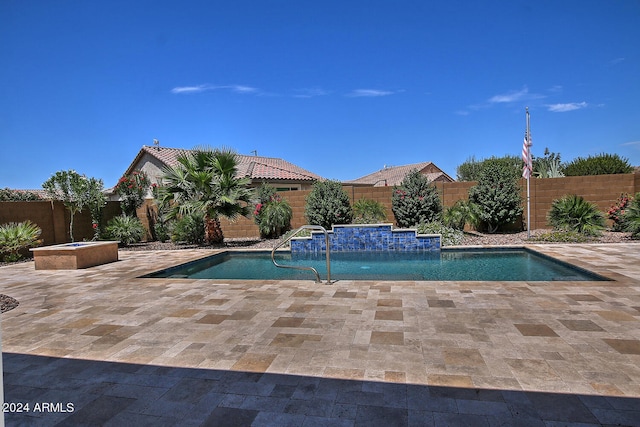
[{"x": 450, "y": 264}]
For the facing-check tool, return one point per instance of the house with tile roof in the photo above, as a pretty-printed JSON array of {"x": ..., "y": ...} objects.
[
  {"x": 279, "y": 173},
  {"x": 393, "y": 175}
]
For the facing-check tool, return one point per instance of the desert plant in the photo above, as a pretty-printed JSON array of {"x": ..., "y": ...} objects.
[
  {"x": 601, "y": 164},
  {"x": 450, "y": 236},
  {"x": 367, "y": 211},
  {"x": 132, "y": 190},
  {"x": 189, "y": 229},
  {"x": 462, "y": 212},
  {"x": 631, "y": 217},
  {"x": 617, "y": 211},
  {"x": 206, "y": 181},
  {"x": 328, "y": 204},
  {"x": 548, "y": 166},
  {"x": 74, "y": 190},
  {"x": 274, "y": 217},
  {"x": 17, "y": 236},
  {"x": 415, "y": 201},
  {"x": 497, "y": 196},
  {"x": 127, "y": 229},
  {"x": 574, "y": 213},
  {"x": 272, "y": 214}
]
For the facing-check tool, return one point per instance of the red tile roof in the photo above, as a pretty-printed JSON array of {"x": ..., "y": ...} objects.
[
  {"x": 393, "y": 175},
  {"x": 254, "y": 167}
]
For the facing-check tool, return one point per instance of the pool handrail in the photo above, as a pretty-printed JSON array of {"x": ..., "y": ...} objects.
[{"x": 296, "y": 231}]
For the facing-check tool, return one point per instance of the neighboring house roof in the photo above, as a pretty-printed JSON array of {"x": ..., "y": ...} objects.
[
  {"x": 254, "y": 167},
  {"x": 393, "y": 175}
]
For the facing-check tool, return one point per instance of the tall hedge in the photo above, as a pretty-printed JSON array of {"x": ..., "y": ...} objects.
[
  {"x": 415, "y": 201},
  {"x": 328, "y": 204},
  {"x": 601, "y": 164},
  {"x": 497, "y": 196}
]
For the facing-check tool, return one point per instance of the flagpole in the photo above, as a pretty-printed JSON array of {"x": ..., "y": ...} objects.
[{"x": 528, "y": 177}]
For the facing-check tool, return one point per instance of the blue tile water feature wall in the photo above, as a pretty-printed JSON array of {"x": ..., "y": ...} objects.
[{"x": 374, "y": 237}]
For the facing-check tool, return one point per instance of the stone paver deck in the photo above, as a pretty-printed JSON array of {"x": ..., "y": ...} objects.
[{"x": 101, "y": 346}]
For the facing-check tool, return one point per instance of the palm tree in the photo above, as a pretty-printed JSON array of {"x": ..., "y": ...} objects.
[{"x": 204, "y": 181}]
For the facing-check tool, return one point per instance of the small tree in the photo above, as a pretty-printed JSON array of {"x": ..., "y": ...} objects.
[
  {"x": 328, "y": 204},
  {"x": 74, "y": 190},
  {"x": 415, "y": 201},
  {"x": 132, "y": 189},
  {"x": 497, "y": 196}
]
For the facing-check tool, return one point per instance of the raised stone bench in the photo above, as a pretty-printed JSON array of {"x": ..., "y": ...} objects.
[
  {"x": 72, "y": 256},
  {"x": 367, "y": 237}
]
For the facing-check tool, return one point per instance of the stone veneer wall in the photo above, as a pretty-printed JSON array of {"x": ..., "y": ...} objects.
[{"x": 374, "y": 237}]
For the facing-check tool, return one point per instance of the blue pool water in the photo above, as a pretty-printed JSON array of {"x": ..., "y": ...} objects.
[{"x": 464, "y": 264}]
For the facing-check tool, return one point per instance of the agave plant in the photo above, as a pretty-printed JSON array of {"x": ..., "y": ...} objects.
[
  {"x": 17, "y": 236},
  {"x": 574, "y": 213}
]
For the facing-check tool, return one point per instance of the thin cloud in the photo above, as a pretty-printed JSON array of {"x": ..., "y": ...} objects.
[
  {"x": 631, "y": 143},
  {"x": 371, "y": 93},
  {"x": 190, "y": 89},
  {"x": 310, "y": 93},
  {"x": 514, "y": 96},
  {"x": 563, "y": 108},
  {"x": 206, "y": 87}
]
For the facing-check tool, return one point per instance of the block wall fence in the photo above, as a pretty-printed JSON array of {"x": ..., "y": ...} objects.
[{"x": 603, "y": 190}]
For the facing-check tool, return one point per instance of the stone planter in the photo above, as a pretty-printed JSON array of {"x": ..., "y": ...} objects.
[{"x": 72, "y": 256}]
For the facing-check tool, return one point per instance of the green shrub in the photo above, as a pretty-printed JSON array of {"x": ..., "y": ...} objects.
[
  {"x": 415, "y": 201},
  {"x": 574, "y": 213},
  {"x": 189, "y": 229},
  {"x": 601, "y": 164},
  {"x": 497, "y": 196},
  {"x": 471, "y": 170},
  {"x": 17, "y": 236},
  {"x": 631, "y": 217},
  {"x": 462, "y": 212},
  {"x": 328, "y": 204},
  {"x": 274, "y": 217},
  {"x": 560, "y": 236},
  {"x": 450, "y": 236},
  {"x": 367, "y": 211},
  {"x": 126, "y": 229}
]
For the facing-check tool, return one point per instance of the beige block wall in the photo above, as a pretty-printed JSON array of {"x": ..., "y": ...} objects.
[{"x": 603, "y": 190}]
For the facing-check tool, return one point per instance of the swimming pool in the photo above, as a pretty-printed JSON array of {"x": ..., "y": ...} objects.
[{"x": 452, "y": 264}]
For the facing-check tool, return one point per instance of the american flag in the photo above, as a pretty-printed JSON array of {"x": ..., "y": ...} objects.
[{"x": 526, "y": 156}]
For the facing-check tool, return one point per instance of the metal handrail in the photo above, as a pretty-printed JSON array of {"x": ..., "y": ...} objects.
[{"x": 326, "y": 239}]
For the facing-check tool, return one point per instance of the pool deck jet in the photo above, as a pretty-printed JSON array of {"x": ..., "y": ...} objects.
[{"x": 102, "y": 346}]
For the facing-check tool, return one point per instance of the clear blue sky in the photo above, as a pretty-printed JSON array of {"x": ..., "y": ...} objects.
[{"x": 340, "y": 88}]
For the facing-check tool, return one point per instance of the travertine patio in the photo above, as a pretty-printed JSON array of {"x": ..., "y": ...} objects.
[{"x": 200, "y": 352}]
